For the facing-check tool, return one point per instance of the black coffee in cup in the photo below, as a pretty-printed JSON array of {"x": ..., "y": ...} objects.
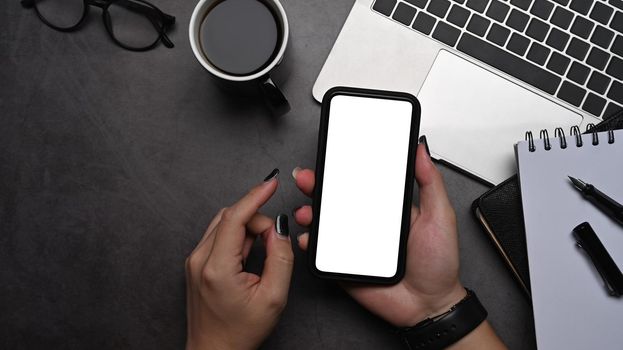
[{"x": 240, "y": 37}]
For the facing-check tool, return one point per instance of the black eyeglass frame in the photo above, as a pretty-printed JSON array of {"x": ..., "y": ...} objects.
[{"x": 161, "y": 21}]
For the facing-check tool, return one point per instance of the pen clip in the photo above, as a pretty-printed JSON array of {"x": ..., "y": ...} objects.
[{"x": 587, "y": 239}]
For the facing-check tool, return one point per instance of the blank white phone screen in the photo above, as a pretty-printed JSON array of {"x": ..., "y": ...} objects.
[{"x": 363, "y": 186}]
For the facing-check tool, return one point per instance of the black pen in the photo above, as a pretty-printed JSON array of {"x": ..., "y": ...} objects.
[
  {"x": 608, "y": 205},
  {"x": 587, "y": 239}
]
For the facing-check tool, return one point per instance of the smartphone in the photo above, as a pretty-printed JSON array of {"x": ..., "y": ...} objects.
[{"x": 364, "y": 183}]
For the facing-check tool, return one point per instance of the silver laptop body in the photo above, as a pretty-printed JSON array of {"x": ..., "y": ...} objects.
[{"x": 474, "y": 107}]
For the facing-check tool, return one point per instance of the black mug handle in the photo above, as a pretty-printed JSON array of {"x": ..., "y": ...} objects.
[{"x": 275, "y": 99}]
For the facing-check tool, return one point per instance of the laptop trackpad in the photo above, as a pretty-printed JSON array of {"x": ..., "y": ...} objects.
[{"x": 473, "y": 117}]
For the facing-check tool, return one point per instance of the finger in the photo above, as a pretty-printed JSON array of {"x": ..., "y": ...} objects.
[
  {"x": 434, "y": 199},
  {"x": 248, "y": 244},
  {"x": 198, "y": 257},
  {"x": 278, "y": 265},
  {"x": 303, "y": 240},
  {"x": 210, "y": 229},
  {"x": 303, "y": 216},
  {"x": 259, "y": 223},
  {"x": 230, "y": 233},
  {"x": 255, "y": 226},
  {"x": 415, "y": 212},
  {"x": 305, "y": 180}
]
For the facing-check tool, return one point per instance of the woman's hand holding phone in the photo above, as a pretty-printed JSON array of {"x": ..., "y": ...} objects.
[
  {"x": 230, "y": 308},
  {"x": 431, "y": 283}
]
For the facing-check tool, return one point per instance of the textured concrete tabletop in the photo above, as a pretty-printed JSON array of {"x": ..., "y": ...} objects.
[{"x": 113, "y": 162}]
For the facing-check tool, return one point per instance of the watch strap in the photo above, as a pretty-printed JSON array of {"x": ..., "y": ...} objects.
[{"x": 448, "y": 328}]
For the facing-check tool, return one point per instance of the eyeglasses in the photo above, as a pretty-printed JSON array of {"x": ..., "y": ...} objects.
[{"x": 132, "y": 24}]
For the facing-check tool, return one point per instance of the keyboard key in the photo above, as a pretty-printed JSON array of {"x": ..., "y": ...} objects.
[
  {"x": 518, "y": 44},
  {"x": 562, "y": 2},
  {"x": 497, "y": 10},
  {"x": 477, "y": 5},
  {"x": 538, "y": 53},
  {"x": 597, "y": 58},
  {"x": 557, "y": 39},
  {"x": 598, "y": 83},
  {"x": 458, "y": 16},
  {"x": 601, "y": 13},
  {"x": 418, "y": 3},
  {"x": 508, "y": 63},
  {"x": 602, "y": 37},
  {"x": 439, "y": 8},
  {"x": 582, "y": 27},
  {"x": 446, "y": 33},
  {"x": 562, "y": 18},
  {"x": 612, "y": 110},
  {"x": 616, "y": 92},
  {"x": 594, "y": 104},
  {"x": 478, "y": 25},
  {"x": 517, "y": 20},
  {"x": 578, "y": 49},
  {"x": 542, "y": 9},
  {"x": 522, "y": 4},
  {"x": 615, "y": 68},
  {"x": 581, "y": 6},
  {"x": 537, "y": 29},
  {"x": 404, "y": 13},
  {"x": 424, "y": 23},
  {"x": 578, "y": 73},
  {"x": 558, "y": 63},
  {"x": 617, "y": 22},
  {"x": 498, "y": 34},
  {"x": 616, "y": 3},
  {"x": 617, "y": 46},
  {"x": 384, "y": 6},
  {"x": 459, "y": 1},
  {"x": 571, "y": 93}
]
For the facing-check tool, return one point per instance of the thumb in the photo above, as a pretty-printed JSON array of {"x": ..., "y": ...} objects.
[
  {"x": 434, "y": 199},
  {"x": 277, "y": 273}
]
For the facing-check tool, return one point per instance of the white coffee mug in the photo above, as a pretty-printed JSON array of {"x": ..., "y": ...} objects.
[{"x": 262, "y": 78}]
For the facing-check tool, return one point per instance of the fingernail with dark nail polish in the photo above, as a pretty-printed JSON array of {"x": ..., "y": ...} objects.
[
  {"x": 295, "y": 210},
  {"x": 281, "y": 225},
  {"x": 273, "y": 174},
  {"x": 425, "y": 142}
]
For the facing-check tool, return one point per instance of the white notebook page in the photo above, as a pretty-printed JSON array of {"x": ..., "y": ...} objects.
[{"x": 572, "y": 309}]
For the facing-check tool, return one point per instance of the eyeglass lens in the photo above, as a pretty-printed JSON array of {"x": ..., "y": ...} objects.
[
  {"x": 132, "y": 23},
  {"x": 63, "y": 14}
]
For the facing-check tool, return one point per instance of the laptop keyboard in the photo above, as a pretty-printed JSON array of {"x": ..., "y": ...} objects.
[{"x": 571, "y": 49}]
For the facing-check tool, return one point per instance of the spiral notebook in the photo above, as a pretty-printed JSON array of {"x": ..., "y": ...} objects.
[{"x": 572, "y": 309}]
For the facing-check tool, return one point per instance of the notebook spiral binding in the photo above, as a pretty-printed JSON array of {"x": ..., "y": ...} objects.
[{"x": 560, "y": 135}]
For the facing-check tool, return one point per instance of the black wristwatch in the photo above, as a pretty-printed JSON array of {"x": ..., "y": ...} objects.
[{"x": 446, "y": 329}]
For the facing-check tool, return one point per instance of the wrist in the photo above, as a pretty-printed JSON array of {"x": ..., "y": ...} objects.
[
  {"x": 447, "y": 328},
  {"x": 434, "y": 305},
  {"x": 481, "y": 337},
  {"x": 208, "y": 342},
  {"x": 444, "y": 303}
]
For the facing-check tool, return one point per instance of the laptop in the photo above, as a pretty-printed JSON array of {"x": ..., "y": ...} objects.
[{"x": 485, "y": 71}]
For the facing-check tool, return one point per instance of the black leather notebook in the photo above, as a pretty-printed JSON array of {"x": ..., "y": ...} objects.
[{"x": 500, "y": 214}]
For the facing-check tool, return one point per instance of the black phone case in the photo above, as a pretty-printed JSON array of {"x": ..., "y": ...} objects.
[{"x": 408, "y": 195}]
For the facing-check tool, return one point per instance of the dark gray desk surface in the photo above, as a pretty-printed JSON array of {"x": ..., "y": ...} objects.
[{"x": 112, "y": 163}]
